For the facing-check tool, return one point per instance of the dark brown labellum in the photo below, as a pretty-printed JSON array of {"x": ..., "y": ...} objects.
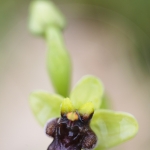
[{"x": 71, "y": 135}]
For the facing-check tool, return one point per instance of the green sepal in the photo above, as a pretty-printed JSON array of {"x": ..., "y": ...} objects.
[
  {"x": 66, "y": 106},
  {"x": 44, "y": 14},
  {"x": 58, "y": 61},
  {"x": 45, "y": 105},
  {"x": 113, "y": 128},
  {"x": 106, "y": 104},
  {"x": 88, "y": 89}
]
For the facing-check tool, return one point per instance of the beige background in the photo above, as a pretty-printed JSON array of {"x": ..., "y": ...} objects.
[{"x": 103, "y": 47}]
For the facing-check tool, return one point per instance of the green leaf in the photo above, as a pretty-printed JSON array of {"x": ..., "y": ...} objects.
[
  {"x": 45, "y": 105},
  {"x": 58, "y": 62},
  {"x": 44, "y": 14},
  {"x": 113, "y": 128},
  {"x": 88, "y": 89}
]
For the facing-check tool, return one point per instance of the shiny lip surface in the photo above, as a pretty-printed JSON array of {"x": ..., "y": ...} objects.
[{"x": 71, "y": 135}]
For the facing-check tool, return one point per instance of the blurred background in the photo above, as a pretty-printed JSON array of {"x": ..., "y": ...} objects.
[{"x": 108, "y": 39}]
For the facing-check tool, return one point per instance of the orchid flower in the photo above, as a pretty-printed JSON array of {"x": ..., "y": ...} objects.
[
  {"x": 77, "y": 120},
  {"x": 83, "y": 109}
]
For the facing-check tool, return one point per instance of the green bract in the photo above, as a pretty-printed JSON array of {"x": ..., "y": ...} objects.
[
  {"x": 58, "y": 61},
  {"x": 111, "y": 127},
  {"x": 46, "y": 20}
]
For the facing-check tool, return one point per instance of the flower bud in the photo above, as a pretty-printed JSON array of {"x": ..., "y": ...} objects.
[{"x": 43, "y": 14}]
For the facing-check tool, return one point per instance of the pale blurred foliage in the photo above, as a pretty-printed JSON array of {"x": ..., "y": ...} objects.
[{"x": 100, "y": 41}]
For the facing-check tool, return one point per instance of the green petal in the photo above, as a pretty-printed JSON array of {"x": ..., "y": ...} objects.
[
  {"x": 44, "y": 14},
  {"x": 45, "y": 105},
  {"x": 113, "y": 128},
  {"x": 88, "y": 89},
  {"x": 86, "y": 109},
  {"x": 66, "y": 106},
  {"x": 58, "y": 62}
]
